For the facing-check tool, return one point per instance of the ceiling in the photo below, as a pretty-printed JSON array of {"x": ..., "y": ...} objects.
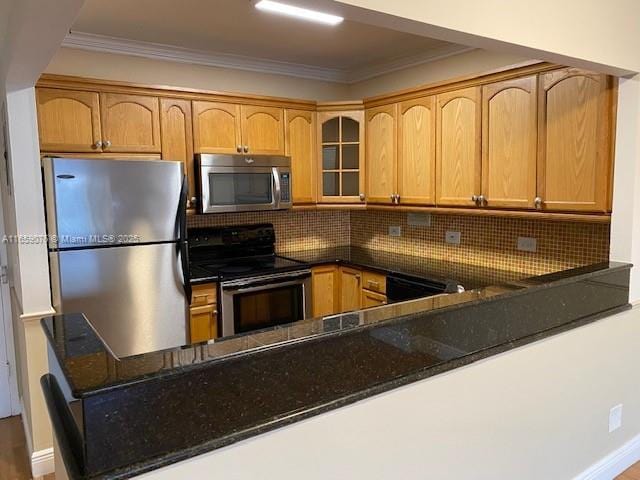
[{"x": 350, "y": 51}]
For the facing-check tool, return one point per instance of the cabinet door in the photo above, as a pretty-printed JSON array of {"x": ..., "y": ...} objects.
[
  {"x": 350, "y": 289},
  {"x": 574, "y": 140},
  {"x": 381, "y": 154},
  {"x": 203, "y": 323},
  {"x": 300, "y": 146},
  {"x": 324, "y": 287},
  {"x": 130, "y": 123},
  {"x": 216, "y": 127},
  {"x": 458, "y": 147},
  {"x": 509, "y": 134},
  {"x": 68, "y": 120},
  {"x": 177, "y": 138},
  {"x": 263, "y": 129},
  {"x": 372, "y": 299},
  {"x": 417, "y": 151}
]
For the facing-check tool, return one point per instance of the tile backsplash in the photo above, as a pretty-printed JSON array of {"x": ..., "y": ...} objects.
[{"x": 484, "y": 241}]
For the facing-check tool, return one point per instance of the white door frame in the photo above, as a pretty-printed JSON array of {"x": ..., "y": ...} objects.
[{"x": 7, "y": 347}]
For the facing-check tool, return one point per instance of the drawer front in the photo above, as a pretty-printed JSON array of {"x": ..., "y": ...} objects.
[
  {"x": 372, "y": 299},
  {"x": 204, "y": 294},
  {"x": 375, "y": 282}
]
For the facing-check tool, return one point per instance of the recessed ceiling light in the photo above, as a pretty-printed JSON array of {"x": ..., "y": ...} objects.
[{"x": 298, "y": 12}]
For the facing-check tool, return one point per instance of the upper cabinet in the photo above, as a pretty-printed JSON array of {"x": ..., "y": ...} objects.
[
  {"x": 130, "y": 123},
  {"x": 177, "y": 136},
  {"x": 509, "y": 131},
  {"x": 300, "y": 146},
  {"x": 68, "y": 120},
  {"x": 216, "y": 127},
  {"x": 381, "y": 154},
  {"x": 417, "y": 152},
  {"x": 341, "y": 157},
  {"x": 458, "y": 137},
  {"x": 262, "y": 130},
  {"x": 574, "y": 141}
]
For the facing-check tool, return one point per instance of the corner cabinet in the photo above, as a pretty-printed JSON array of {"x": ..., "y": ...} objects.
[
  {"x": 341, "y": 157},
  {"x": 300, "y": 145},
  {"x": 575, "y": 141}
]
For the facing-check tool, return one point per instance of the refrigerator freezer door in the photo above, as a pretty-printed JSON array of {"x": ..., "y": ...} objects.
[
  {"x": 132, "y": 295},
  {"x": 103, "y": 202}
]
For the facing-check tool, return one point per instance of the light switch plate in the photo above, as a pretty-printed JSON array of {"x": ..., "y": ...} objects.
[
  {"x": 395, "y": 231},
  {"x": 615, "y": 418},
  {"x": 527, "y": 244},
  {"x": 452, "y": 238},
  {"x": 419, "y": 219}
]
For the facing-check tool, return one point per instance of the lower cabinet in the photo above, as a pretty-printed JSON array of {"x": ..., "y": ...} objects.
[
  {"x": 344, "y": 289},
  {"x": 203, "y": 313}
]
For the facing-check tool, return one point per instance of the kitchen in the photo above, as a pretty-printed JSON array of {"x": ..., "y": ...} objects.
[{"x": 306, "y": 221}]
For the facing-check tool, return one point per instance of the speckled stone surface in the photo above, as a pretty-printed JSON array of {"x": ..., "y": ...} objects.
[{"x": 163, "y": 407}]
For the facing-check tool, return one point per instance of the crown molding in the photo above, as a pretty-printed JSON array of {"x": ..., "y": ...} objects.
[{"x": 158, "y": 51}]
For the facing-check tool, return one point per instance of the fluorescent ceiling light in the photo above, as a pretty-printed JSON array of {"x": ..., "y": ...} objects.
[{"x": 298, "y": 12}]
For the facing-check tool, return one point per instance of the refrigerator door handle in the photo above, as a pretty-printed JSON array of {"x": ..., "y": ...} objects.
[{"x": 182, "y": 239}]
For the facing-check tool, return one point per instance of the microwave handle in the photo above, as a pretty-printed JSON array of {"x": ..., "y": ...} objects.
[{"x": 276, "y": 184}]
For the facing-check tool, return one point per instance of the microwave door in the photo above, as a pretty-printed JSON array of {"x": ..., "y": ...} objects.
[{"x": 236, "y": 189}]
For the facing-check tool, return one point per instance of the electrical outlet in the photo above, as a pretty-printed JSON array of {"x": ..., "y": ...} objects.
[
  {"x": 452, "y": 237},
  {"x": 419, "y": 219},
  {"x": 395, "y": 231},
  {"x": 615, "y": 418},
  {"x": 527, "y": 244}
]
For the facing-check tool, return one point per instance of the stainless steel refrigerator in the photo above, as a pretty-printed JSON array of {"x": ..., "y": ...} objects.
[{"x": 117, "y": 249}]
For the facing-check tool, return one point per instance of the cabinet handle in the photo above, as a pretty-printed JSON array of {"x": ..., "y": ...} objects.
[
  {"x": 474, "y": 198},
  {"x": 361, "y": 197},
  {"x": 481, "y": 200},
  {"x": 397, "y": 198},
  {"x": 239, "y": 149},
  {"x": 393, "y": 198},
  {"x": 97, "y": 145},
  {"x": 106, "y": 143},
  {"x": 358, "y": 277},
  {"x": 537, "y": 202},
  {"x": 246, "y": 149}
]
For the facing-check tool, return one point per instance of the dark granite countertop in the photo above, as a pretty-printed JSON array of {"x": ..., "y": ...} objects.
[{"x": 190, "y": 400}]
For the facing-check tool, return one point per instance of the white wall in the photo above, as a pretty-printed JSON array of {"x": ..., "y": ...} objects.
[{"x": 536, "y": 413}]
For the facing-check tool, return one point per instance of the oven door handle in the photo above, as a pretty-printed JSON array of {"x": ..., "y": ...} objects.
[
  {"x": 276, "y": 183},
  {"x": 263, "y": 286}
]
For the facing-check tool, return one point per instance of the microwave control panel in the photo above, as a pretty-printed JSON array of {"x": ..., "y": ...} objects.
[{"x": 285, "y": 188}]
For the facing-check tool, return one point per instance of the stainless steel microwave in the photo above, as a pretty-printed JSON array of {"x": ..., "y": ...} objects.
[{"x": 239, "y": 183}]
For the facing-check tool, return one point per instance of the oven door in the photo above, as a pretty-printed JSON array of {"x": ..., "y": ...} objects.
[
  {"x": 266, "y": 301},
  {"x": 238, "y": 189}
]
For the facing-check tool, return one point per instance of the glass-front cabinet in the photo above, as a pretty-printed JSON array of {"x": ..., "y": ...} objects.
[{"x": 341, "y": 157}]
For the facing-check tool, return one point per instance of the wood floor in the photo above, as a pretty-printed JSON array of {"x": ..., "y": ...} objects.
[
  {"x": 632, "y": 473},
  {"x": 14, "y": 459}
]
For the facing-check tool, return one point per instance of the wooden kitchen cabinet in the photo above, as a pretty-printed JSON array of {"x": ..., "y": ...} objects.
[
  {"x": 416, "y": 183},
  {"x": 203, "y": 313},
  {"x": 458, "y": 137},
  {"x": 130, "y": 123},
  {"x": 325, "y": 281},
  {"x": 372, "y": 299},
  {"x": 341, "y": 157},
  {"x": 177, "y": 136},
  {"x": 300, "y": 145},
  {"x": 509, "y": 116},
  {"x": 262, "y": 130},
  {"x": 216, "y": 127},
  {"x": 575, "y": 140},
  {"x": 68, "y": 120},
  {"x": 350, "y": 289},
  {"x": 381, "y": 154}
]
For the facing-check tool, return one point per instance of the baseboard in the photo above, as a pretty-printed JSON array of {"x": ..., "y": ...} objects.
[
  {"x": 42, "y": 462},
  {"x": 615, "y": 463}
]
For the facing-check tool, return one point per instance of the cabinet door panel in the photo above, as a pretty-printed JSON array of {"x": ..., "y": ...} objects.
[
  {"x": 509, "y": 143},
  {"x": 263, "y": 129},
  {"x": 68, "y": 120},
  {"x": 324, "y": 286},
  {"x": 417, "y": 152},
  {"x": 574, "y": 150},
  {"x": 130, "y": 122},
  {"x": 350, "y": 289},
  {"x": 381, "y": 154},
  {"x": 458, "y": 147},
  {"x": 177, "y": 138},
  {"x": 203, "y": 323},
  {"x": 216, "y": 127},
  {"x": 300, "y": 146}
]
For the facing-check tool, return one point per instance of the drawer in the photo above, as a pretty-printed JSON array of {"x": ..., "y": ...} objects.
[
  {"x": 204, "y": 294},
  {"x": 376, "y": 282},
  {"x": 373, "y": 299}
]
